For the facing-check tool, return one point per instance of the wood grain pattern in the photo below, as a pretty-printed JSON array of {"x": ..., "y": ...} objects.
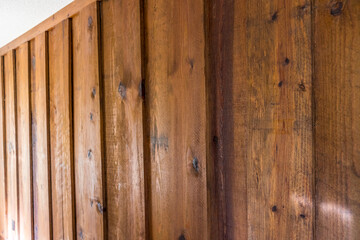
[
  {"x": 11, "y": 145},
  {"x": 3, "y": 192},
  {"x": 175, "y": 102},
  {"x": 88, "y": 151},
  {"x": 24, "y": 142},
  {"x": 337, "y": 111},
  {"x": 210, "y": 119},
  {"x": 260, "y": 135},
  {"x": 123, "y": 106},
  {"x": 40, "y": 138},
  {"x": 61, "y": 138}
]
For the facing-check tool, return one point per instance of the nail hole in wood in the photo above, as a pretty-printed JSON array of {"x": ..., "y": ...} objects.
[
  {"x": 274, "y": 208},
  {"x": 90, "y": 154},
  {"x": 93, "y": 93},
  {"x": 196, "y": 164}
]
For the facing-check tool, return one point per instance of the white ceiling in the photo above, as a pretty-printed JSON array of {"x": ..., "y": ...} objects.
[{"x": 19, "y": 16}]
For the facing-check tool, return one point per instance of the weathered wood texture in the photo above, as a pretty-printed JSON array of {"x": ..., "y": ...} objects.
[
  {"x": 337, "y": 114},
  {"x": 207, "y": 119},
  {"x": 88, "y": 150},
  {"x": 123, "y": 119},
  {"x": 24, "y": 141},
  {"x": 40, "y": 137},
  {"x": 260, "y": 136},
  {"x": 3, "y": 179},
  {"x": 61, "y": 138},
  {"x": 175, "y": 102},
  {"x": 11, "y": 145}
]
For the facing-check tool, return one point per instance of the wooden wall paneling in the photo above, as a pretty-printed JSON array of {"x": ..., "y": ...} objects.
[
  {"x": 61, "y": 138},
  {"x": 11, "y": 144},
  {"x": 3, "y": 192},
  {"x": 64, "y": 13},
  {"x": 337, "y": 111},
  {"x": 88, "y": 150},
  {"x": 24, "y": 141},
  {"x": 123, "y": 106},
  {"x": 175, "y": 102},
  {"x": 260, "y": 127},
  {"x": 40, "y": 137}
]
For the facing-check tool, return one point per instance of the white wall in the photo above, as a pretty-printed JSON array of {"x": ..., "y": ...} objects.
[{"x": 19, "y": 16}]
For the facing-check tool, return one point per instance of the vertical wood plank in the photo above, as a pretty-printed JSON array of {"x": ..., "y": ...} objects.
[
  {"x": 40, "y": 138},
  {"x": 61, "y": 142},
  {"x": 279, "y": 121},
  {"x": 123, "y": 119},
  {"x": 88, "y": 152},
  {"x": 337, "y": 127},
  {"x": 175, "y": 102},
  {"x": 260, "y": 129},
  {"x": 11, "y": 145},
  {"x": 3, "y": 187},
  {"x": 24, "y": 141}
]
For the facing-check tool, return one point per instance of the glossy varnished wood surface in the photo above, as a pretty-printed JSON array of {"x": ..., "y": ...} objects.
[
  {"x": 61, "y": 138},
  {"x": 88, "y": 151},
  {"x": 24, "y": 141},
  {"x": 123, "y": 119},
  {"x": 337, "y": 114}
]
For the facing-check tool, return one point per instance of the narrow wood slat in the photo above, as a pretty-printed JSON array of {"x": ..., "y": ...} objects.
[
  {"x": 337, "y": 127},
  {"x": 123, "y": 119},
  {"x": 175, "y": 102},
  {"x": 24, "y": 142},
  {"x": 260, "y": 123},
  {"x": 3, "y": 192},
  {"x": 88, "y": 151},
  {"x": 11, "y": 151},
  {"x": 40, "y": 137},
  {"x": 62, "y": 168}
]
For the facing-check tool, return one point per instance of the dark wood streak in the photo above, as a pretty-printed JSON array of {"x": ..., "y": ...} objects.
[{"x": 220, "y": 28}]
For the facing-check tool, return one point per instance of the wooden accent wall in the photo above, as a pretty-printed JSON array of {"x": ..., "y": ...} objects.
[{"x": 206, "y": 119}]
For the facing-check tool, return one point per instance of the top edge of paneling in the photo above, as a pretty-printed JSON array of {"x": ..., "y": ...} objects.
[{"x": 64, "y": 13}]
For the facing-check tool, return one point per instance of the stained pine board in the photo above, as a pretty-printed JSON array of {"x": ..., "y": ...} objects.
[
  {"x": 176, "y": 119},
  {"x": 61, "y": 141},
  {"x": 24, "y": 142},
  {"x": 40, "y": 137},
  {"x": 261, "y": 137},
  {"x": 3, "y": 192},
  {"x": 337, "y": 111},
  {"x": 88, "y": 150},
  {"x": 11, "y": 144},
  {"x": 123, "y": 106}
]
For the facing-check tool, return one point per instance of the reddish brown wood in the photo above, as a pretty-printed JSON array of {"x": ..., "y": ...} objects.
[
  {"x": 88, "y": 144},
  {"x": 40, "y": 137},
  {"x": 260, "y": 146},
  {"x": 337, "y": 128},
  {"x": 61, "y": 135},
  {"x": 11, "y": 145},
  {"x": 176, "y": 119},
  {"x": 3, "y": 171},
  {"x": 123, "y": 109},
  {"x": 24, "y": 142}
]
